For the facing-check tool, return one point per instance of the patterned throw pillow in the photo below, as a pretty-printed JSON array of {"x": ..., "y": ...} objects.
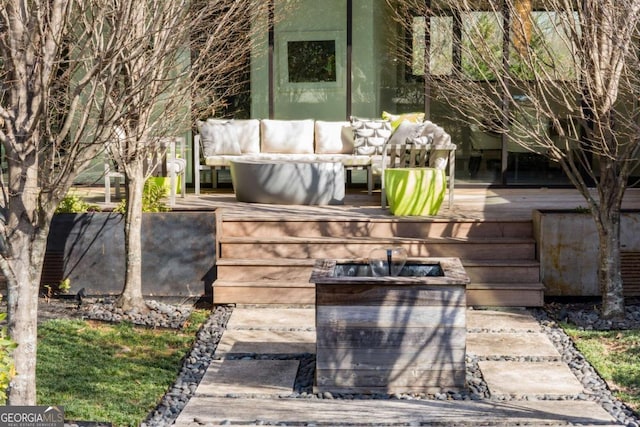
[
  {"x": 370, "y": 135},
  {"x": 396, "y": 119}
]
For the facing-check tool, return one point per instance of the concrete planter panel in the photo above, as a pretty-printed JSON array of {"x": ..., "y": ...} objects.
[
  {"x": 178, "y": 252},
  {"x": 567, "y": 248}
]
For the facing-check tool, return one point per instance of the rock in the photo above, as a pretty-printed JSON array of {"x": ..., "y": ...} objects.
[{"x": 159, "y": 315}]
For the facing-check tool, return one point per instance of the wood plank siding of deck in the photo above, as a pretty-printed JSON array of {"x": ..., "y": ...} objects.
[{"x": 265, "y": 253}]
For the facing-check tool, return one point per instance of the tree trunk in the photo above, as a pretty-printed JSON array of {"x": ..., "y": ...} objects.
[
  {"x": 609, "y": 271},
  {"x": 22, "y": 299},
  {"x": 22, "y": 267},
  {"x": 131, "y": 296},
  {"x": 607, "y": 218}
]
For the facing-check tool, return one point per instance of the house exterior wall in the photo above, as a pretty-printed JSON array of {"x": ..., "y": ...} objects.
[
  {"x": 373, "y": 76},
  {"x": 310, "y": 20},
  {"x": 374, "y": 71},
  {"x": 260, "y": 72}
]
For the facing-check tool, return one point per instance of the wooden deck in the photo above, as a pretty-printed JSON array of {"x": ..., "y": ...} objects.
[
  {"x": 469, "y": 203},
  {"x": 265, "y": 253}
]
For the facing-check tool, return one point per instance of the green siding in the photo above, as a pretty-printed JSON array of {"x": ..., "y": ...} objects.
[{"x": 373, "y": 78}]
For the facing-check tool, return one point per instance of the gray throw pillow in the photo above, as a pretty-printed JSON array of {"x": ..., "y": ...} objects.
[
  {"x": 406, "y": 131},
  {"x": 219, "y": 138}
]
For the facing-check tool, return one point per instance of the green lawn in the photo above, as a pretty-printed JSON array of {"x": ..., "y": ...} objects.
[
  {"x": 118, "y": 373},
  {"x": 111, "y": 373},
  {"x": 616, "y": 357}
]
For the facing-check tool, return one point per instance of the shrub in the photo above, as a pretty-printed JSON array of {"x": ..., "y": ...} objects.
[
  {"x": 72, "y": 203},
  {"x": 7, "y": 369},
  {"x": 61, "y": 288},
  {"x": 152, "y": 195}
]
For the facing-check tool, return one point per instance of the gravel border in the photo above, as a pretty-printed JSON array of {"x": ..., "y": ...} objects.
[
  {"x": 197, "y": 362},
  {"x": 158, "y": 315},
  {"x": 194, "y": 366}
]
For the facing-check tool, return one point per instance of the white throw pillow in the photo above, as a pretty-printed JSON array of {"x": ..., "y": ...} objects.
[
  {"x": 218, "y": 137},
  {"x": 176, "y": 165},
  {"x": 439, "y": 138},
  {"x": 286, "y": 136},
  {"x": 437, "y": 134},
  {"x": 333, "y": 137}
]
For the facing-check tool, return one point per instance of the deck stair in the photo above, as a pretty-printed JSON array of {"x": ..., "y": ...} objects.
[{"x": 268, "y": 259}]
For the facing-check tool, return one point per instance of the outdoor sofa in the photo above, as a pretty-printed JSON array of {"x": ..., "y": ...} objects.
[{"x": 356, "y": 144}]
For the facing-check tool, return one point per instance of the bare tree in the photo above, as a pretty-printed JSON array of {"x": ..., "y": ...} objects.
[
  {"x": 51, "y": 128},
  {"x": 149, "y": 95},
  {"x": 180, "y": 58},
  {"x": 564, "y": 85},
  {"x": 74, "y": 74}
]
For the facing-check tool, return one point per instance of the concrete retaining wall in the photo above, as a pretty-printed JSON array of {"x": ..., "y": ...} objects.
[
  {"x": 178, "y": 253},
  {"x": 567, "y": 246}
]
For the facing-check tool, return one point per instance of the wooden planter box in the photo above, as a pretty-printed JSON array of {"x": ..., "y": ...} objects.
[{"x": 390, "y": 334}]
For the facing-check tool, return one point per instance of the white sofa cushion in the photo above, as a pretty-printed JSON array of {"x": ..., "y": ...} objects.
[
  {"x": 218, "y": 137},
  {"x": 281, "y": 157},
  {"x": 333, "y": 137},
  {"x": 220, "y": 160},
  {"x": 229, "y": 137},
  {"x": 248, "y": 135},
  {"x": 286, "y": 136},
  {"x": 350, "y": 161}
]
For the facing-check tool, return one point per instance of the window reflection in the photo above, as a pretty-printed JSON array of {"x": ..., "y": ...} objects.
[
  {"x": 311, "y": 61},
  {"x": 472, "y": 42}
]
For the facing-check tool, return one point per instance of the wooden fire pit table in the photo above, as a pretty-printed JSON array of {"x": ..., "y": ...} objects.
[{"x": 390, "y": 334}]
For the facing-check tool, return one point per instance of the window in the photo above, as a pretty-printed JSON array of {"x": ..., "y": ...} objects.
[
  {"x": 481, "y": 45},
  {"x": 311, "y": 61},
  {"x": 441, "y": 49}
]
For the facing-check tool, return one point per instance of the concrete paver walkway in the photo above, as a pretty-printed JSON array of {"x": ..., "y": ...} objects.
[{"x": 255, "y": 390}]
